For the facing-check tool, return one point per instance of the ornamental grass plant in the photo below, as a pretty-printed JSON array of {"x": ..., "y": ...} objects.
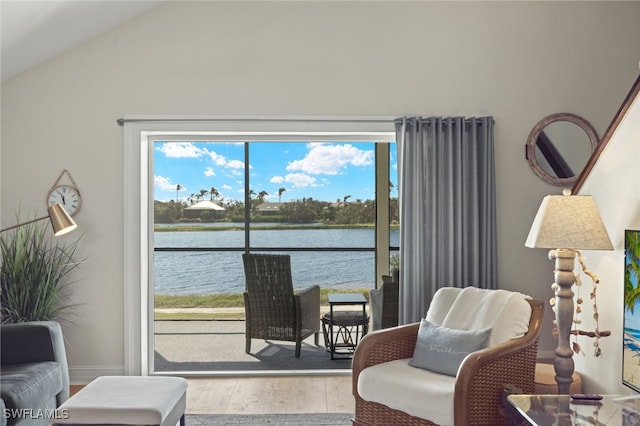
[{"x": 34, "y": 274}]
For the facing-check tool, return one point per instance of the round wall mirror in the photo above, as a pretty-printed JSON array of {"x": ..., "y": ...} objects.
[{"x": 559, "y": 147}]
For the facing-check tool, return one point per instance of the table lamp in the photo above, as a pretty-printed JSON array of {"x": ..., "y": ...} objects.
[
  {"x": 566, "y": 224},
  {"x": 61, "y": 222}
]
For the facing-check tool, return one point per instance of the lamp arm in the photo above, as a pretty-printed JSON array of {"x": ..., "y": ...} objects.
[{"x": 24, "y": 223}]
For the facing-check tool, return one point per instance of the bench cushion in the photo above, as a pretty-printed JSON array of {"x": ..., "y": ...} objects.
[
  {"x": 131, "y": 400},
  {"x": 29, "y": 385},
  {"x": 420, "y": 393}
]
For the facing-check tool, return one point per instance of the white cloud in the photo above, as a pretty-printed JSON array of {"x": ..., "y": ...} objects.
[
  {"x": 235, "y": 164},
  {"x": 181, "y": 150},
  {"x": 218, "y": 160},
  {"x": 189, "y": 150},
  {"x": 276, "y": 179},
  {"x": 221, "y": 160},
  {"x": 226, "y": 187},
  {"x": 209, "y": 172},
  {"x": 300, "y": 180},
  {"x": 331, "y": 159},
  {"x": 165, "y": 184}
]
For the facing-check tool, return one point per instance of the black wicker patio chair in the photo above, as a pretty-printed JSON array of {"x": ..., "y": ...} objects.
[{"x": 273, "y": 311}]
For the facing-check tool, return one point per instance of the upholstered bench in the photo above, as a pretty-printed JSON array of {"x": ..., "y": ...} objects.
[{"x": 127, "y": 400}]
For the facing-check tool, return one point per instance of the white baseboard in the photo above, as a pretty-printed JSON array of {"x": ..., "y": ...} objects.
[{"x": 81, "y": 375}]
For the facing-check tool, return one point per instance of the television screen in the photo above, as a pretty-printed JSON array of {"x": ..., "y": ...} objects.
[{"x": 631, "y": 335}]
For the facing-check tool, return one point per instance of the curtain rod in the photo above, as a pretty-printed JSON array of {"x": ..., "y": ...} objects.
[
  {"x": 427, "y": 120},
  {"x": 122, "y": 121}
]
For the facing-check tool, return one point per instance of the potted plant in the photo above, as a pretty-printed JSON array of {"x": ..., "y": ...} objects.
[{"x": 34, "y": 271}]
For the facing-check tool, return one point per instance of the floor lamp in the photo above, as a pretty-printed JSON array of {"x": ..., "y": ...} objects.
[
  {"x": 61, "y": 222},
  {"x": 571, "y": 222}
]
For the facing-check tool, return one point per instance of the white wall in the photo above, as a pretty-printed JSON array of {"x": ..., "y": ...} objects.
[
  {"x": 613, "y": 185},
  {"x": 517, "y": 61}
]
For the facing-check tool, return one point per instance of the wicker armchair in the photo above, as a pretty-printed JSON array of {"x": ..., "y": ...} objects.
[
  {"x": 479, "y": 384},
  {"x": 384, "y": 304},
  {"x": 273, "y": 311}
]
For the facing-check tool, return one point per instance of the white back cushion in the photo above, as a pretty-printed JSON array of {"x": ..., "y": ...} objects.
[
  {"x": 507, "y": 313},
  {"x": 441, "y": 303}
]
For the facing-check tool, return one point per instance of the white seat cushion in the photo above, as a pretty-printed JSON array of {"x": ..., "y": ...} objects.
[{"x": 415, "y": 391}]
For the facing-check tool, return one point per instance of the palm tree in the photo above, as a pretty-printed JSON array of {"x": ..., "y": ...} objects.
[
  {"x": 345, "y": 198},
  {"x": 252, "y": 203},
  {"x": 632, "y": 270},
  {"x": 178, "y": 188},
  {"x": 262, "y": 195},
  {"x": 280, "y": 191},
  {"x": 214, "y": 193},
  {"x": 203, "y": 192}
]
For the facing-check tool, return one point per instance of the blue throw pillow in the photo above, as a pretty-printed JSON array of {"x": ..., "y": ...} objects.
[{"x": 442, "y": 350}]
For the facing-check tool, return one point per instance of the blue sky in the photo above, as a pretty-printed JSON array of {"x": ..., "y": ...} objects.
[{"x": 323, "y": 171}]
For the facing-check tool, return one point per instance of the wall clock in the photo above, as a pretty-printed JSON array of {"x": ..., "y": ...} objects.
[{"x": 67, "y": 195}]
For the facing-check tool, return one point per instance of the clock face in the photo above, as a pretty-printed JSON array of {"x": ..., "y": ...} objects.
[{"x": 67, "y": 196}]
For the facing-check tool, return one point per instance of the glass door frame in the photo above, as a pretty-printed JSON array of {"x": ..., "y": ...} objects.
[{"x": 139, "y": 134}]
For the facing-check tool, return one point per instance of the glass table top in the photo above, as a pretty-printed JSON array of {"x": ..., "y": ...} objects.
[
  {"x": 561, "y": 410},
  {"x": 346, "y": 298}
]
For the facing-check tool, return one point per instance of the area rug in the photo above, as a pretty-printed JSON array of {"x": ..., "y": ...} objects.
[{"x": 339, "y": 419}]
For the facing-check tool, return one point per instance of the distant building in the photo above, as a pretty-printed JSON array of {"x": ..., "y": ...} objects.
[
  {"x": 204, "y": 210},
  {"x": 267, "y": 209}
]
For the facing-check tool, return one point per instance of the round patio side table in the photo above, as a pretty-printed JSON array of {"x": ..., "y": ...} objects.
[{"x": 344, "y": 331}]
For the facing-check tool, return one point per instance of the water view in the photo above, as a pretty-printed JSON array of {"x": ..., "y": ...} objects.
[{"x": 199, "y": 273}]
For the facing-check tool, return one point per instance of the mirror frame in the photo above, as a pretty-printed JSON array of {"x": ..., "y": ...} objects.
[{"x": 533, "y": 138}]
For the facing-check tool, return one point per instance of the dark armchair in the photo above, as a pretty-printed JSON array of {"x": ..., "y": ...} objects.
[
  {"x": 34, "y": 375},
  {"x": 272, "y": 309},
  {"x": 385, "y": 303}
]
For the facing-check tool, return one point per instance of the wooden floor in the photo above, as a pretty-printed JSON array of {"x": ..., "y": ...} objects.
[{"x": 268, "y": 395}]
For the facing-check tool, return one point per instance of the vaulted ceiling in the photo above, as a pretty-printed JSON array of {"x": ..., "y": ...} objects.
[{"x": 34, "y": 31}]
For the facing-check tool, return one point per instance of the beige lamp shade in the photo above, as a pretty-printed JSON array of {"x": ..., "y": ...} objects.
[
  {"x": 568, "y": 222},
  {"x": 61, "y": 222}
]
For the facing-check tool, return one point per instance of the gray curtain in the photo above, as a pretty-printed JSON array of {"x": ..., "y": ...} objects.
[{"x": 447, "y": 208}]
